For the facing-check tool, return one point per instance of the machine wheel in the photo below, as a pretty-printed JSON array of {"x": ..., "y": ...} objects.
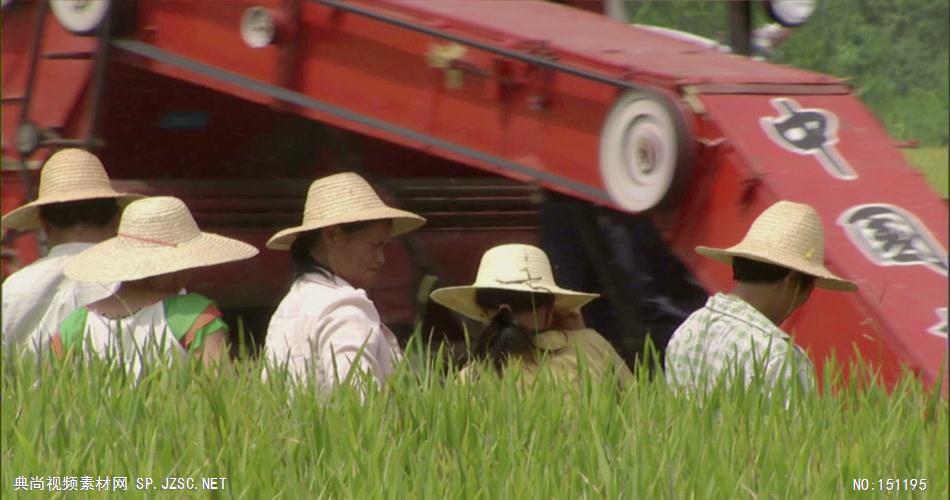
[
  {"x": 646, "y": 152},
  {"x": 81, "y": 17},
  {"x": 790, "y": 13}
]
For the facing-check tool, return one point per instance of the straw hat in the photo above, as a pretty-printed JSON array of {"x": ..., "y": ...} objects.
[
  {"x": 69, "y": 175},
  {"x": 790, "y": 235},
  {"x": 342, "y": 199},
  {"x": 156, "y": 236},
  {"x": 522, "y": 268}
]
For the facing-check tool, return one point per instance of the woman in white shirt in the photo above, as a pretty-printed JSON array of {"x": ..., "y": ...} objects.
[
  {"x": 326, "y": 325},
  {"x": 146, "y": 320}
]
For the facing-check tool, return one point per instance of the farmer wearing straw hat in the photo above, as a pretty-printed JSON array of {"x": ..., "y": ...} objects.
[
  {"x": 326, "y": 325},
  {"x": 77, "y": 207},
  {"x": 776, "y": 266},
  {"x": 157, "y": 242},
  {"x": 530, "y": 319}
]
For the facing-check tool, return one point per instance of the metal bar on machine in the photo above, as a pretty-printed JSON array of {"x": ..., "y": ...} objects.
[
  {"x": 514, "y": 54},
  {"x": 305, "y": 101},
  {"x": 94, "y": 98},
  {"x": 34, "y": 61},
  {"x": 35, "y": 48}
]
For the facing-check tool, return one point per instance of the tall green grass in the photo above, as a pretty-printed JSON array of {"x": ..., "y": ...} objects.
[{"x": 426, "y": 436}]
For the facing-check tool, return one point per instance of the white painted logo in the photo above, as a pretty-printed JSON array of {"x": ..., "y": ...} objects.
[
  {"x": 808, "y": 132},
  {"x": 891, "y": 236},
  {"x": 940, "y": 328}
]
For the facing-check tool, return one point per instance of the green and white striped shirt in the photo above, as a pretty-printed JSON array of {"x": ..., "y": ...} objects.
[{"x": 729, "y": 339}]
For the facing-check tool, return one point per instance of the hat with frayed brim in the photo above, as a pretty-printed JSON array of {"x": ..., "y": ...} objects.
[
  {"x": 69, "y": 175},
  {"x": 342, "y": 199},
  {"x": 789, "y": 235},
  {"x": 516, "y": 267},
  {"x": 156, "y": 236}
]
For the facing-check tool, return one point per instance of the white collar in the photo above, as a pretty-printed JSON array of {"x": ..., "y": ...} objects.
[
  {"x": 66, "y": 249},
  {"x": 333, "y": 281}
]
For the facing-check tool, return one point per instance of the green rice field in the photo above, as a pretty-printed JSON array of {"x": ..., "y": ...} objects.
[
  {"x": 425, "y": 435},
  {"x": 933, "y": 162}
]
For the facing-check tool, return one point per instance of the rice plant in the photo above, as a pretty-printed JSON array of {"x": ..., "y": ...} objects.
[{"x": 426, "y": 435}]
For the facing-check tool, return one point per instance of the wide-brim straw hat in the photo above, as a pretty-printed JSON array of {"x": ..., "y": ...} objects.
[
  {"x": 789, "y": 235},
  {"x": 342, "y": 199},
  {"x": 156, "y": 236},
  {"x": 69, "y": 175},
  {"x": 517, "y": 267}
]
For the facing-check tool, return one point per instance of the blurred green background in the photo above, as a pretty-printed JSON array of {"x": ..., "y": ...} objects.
[{"x": 895, "y": 53}]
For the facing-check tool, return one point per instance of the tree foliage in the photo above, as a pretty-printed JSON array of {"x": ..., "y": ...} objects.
[{"x": 893, "y": 51}]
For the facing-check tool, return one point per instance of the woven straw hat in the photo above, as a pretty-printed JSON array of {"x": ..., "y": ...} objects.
[
  {"x": 68, "y": 175},
  {"x": 522, "y": 268},
  {"x": 342, "y": 199},
  {"x": 156, "y": 236},
  {"x": 790, "y": 235}
]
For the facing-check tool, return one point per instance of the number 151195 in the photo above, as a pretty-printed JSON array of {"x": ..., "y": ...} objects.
[{"x": 889, "y": 484}]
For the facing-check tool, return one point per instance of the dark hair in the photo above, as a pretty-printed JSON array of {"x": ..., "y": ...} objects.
[
  {"x": 95, "y": 213},
  {"x": 302, "y": 262},
  {"x": 752, "y": 271},
  {"x": 503, "y": 339}
]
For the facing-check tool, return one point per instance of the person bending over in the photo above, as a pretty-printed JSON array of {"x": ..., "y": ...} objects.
[{"x": 531, "y": 321}]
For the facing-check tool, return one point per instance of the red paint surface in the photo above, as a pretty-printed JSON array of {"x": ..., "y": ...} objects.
[
  {"x": 60, "y": 84},
  {"x": 23, "y": 249},
  {"x": 888, "y": 319}
]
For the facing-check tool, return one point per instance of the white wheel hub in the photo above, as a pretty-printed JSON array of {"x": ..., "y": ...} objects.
[
  {"x": 80, "y": 16},
  {"x": 638, "y": 152},
  {"x": 258, "y": 27}
]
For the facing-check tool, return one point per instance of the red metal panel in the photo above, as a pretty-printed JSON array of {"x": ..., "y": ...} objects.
[
  {"x": 24, "y": 249},
  {"x": 599, "y": 41},
  {"x": 380, "y": 71},
  {"x": 897, "y": 308},
  {"x": 60, "y": 83}
]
